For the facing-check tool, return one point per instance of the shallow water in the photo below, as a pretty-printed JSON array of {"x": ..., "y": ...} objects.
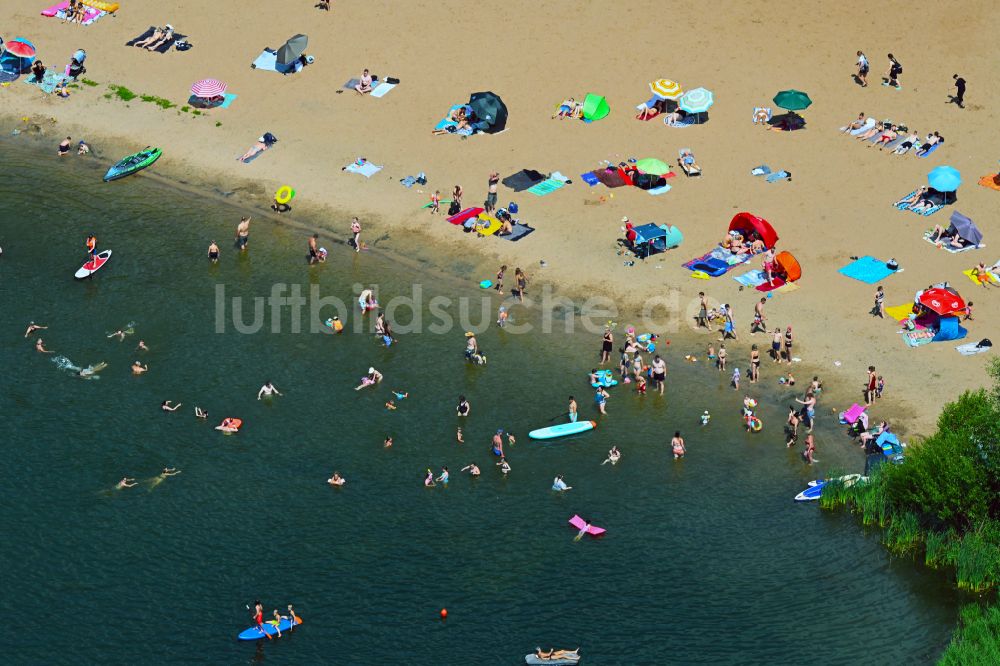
[{"x": 706, "y": 560}]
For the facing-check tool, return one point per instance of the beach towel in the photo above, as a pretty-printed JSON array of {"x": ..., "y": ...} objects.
[
  {"x": 443, "y": 203},
  {"x": 351, "y": 83},
  {"x": 788, "y": 286},
  {"x": 367, "y": 169},
  {"x": 382, "y": 88},
  {"x": 971, "y": 274},
  {"x": 687, "y": 121},
  {"x": 49, "y": 82},
  {"x": 519, "y": 232},
  {"x": 930, "y": 150},
  {"x": 899, "y": 312},
  {"x": 589, "y": 178},
  {"x": 662, "y": 189},
  {"x": 59, "y": 11},
  {"x": 227, "y": 102},
  {"x": 761, "y": 170},
  {"x": 973, "y": 348},
  {"x": 547, "y": 186},
  {"x": 752, "y": 278},
  {"x": 869, "y": 124},
  {"x": 610, "y": 178},
  {"x": 917, "y": 337},
  {"x": 946, "y": 245},
  {"x": 991, "y": 181},
  {"x": 523, "y": 180},
  {"x": 777, "y": 176},
  {"x": 647, "y": 105},
  {"x": 867, "y": 269},
  {"x": 486, "y": 225},
  {"x": 164, "y": 47},
  {"x": 901, "y": 205},
  {"x": 776, "y": 282},
  {"x": 463, "y": 216}
]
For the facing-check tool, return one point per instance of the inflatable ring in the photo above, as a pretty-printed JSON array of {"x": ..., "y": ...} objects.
[
  {"x": 756, "y": 424},
  {"x": 284, "y": 194}
]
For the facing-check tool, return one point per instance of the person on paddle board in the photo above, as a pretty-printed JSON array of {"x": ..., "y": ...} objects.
[
  {"x": 258, "y": 616},
  {"x": 91, "y": 247},
  {"x": 276, "y": 621}
]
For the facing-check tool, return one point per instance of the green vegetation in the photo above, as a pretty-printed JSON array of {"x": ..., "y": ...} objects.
[
  {"x": 976, "y": 640},
  {"x": 122, "y": 93},
  {"x": 88, "y": 82},
  {"x": 945, "y": 499},
  {"x": 196, "y": 112},
  {"x": 159, "y": 101},
  {"x": 218, "y": 124},
  {"x": 185, "y": 108}
]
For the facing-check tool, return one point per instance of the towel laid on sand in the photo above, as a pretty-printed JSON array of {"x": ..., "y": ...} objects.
[
  {"x": 973, "y": 348},
  {"x": 49, "y": 82},
  {"x": 899, "y": 312},
  {"x": 367, "y": 169},
  {"x": 971, "y": 274},
  {"x": 751, "y": 278},
  {"x": 382, "y": 88},
  {"x": 945, "y": 244},
  {"x": 867, "y": 269}
]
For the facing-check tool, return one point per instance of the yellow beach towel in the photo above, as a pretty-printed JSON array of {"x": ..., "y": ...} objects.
[
  {"x": 900, "y": 312},
  {"x": 971, "y": 275},
  {"x": 487, "y": 225}
]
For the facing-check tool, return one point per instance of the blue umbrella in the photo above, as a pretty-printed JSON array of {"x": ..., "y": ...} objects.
[
  {"x": 698, "y": 100},
  {"x": 944, "y": 178}
]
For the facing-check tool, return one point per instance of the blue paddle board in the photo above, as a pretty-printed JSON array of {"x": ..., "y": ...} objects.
[
  {"x": 253, "y": 633},
  {"x": 811, "y": 493},
  {"x": 562, "y": 430}
]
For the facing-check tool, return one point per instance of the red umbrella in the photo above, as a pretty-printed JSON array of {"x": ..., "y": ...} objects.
[
  {"x": 942, "y": 301},
  {"x": 21, "y": 48},
  {"x": 208, "y": 88}
]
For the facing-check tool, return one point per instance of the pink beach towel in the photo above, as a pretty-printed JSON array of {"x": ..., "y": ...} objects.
[
  {"x": 854, "y": 413},
  {"x": 88, "y": 16}
]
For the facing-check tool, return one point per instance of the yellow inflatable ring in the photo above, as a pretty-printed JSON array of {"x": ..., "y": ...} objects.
[
  {"x": 284, "y": 194},
  {"x": 756, "y": 424}
]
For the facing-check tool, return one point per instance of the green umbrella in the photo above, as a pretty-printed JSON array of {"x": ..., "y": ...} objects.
[
  {"x": 792, "y": 100},
  {"x": 653, "y": 166}
]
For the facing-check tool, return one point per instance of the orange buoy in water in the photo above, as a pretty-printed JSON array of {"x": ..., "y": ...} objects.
[{"x": 444, "y": 613}]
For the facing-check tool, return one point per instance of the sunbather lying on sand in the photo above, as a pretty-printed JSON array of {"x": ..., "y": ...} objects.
[
  {"x": 647, "y": 111},
  {"x": 157, "y": 39},
  {"x": 932, "y": 140},
  {"x": 570, "y": 108},
  {"x": 915, "y": 197},
  {"x": 259, "y": 147},
  {"x": 911, "y": 140},
  {"x": 857, "y": 124},
  {"x": 925, "y": 203},
  {"x": 888, "y": 135},
  {"x": 940, "y": 235},
  {"x": 688, "y": 163},
  {"x": 457, "y": 116},
  {"x": 675, "y": 118},
  {"x": 879, "y": 127}
]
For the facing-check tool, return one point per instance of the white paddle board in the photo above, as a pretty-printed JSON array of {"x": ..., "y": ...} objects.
[{"x": 93, "y": 265}]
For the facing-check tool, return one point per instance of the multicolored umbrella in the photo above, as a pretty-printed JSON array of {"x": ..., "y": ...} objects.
[
  {"x": 653, "y": 166},
  {"x": 698, "y": 100},
  {"x": 942, "y": 301},
  {"x": 792, "y": 100},
  {"x": 666, "y": 89},
  {"x": 944, "y": 178},
  {"x": 21, "y": 48},
  {"x": 208, "y": 88}
]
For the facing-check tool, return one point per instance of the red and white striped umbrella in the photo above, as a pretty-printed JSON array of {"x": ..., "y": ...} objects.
[
  {"x": 208, "y": 88},
  {"x": 20, "y": 47}
]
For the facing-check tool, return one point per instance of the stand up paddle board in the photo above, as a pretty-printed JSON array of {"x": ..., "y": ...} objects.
[
  {"x": 562, "y": 430},
  {"x": 253, "y": 633},
  {"x": 815, "y": 488},
  {"x": 535, "y": 660},
  {"x": 93, "y": 265}
]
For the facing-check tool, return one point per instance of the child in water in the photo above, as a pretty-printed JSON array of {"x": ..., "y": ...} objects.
[
  {"x": 502, "y": 316},
  {"x": 736, "y": 379},
  {"x": 640, "y": 385},
  {"x": 705, "y": 418}
]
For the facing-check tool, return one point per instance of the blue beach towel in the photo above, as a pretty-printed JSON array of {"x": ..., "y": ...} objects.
[
  {"x": 775, "y": 177},
  {"x": 589, "y": 178},
  {"x": 662, "y": 189},
  {"x": 229, "y": 97},
  {"x": 761, "y": 170},
  {"x": 752, "y": 278},
  {"x": 867, "y": 269},
  {"x": 931, "y": 149},
  {"x": 547, "y": 186}
]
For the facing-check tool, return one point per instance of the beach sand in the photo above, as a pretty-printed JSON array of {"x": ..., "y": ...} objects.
[{"x": 534, "y": 55}]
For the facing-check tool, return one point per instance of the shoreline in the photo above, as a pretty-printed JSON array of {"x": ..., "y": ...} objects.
[{"x": 253, "y": 198}]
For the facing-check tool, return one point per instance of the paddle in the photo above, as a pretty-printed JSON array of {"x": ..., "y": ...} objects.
[
  {"x": 255, "y": 619},
  {"x": 558, "y": 416}
]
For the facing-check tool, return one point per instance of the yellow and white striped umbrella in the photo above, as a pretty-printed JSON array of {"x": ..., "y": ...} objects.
[{"x": 666, "y": 89}]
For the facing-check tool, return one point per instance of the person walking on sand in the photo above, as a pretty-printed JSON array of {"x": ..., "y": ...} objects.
[
  {"x": 572, "y": 409},
  {"x": 356, "y": 231},
  {"x": 243, "y": 233},
  {"x": 892, "y": 76},
  {"x": 758, "y": 318},
  {"x": 499, "y": 281},
  {"x": 788, "y": 345},
  {"x": 878, "y": 310},
  {"x": 436, "y": 202},
  {"x": 491, "y": 193},
  {"x": 729, "y": 328},
  {"x": 313, "y": 249},
  {"x": 677, "y": 444},
  {"x": 870, "y": 385},
  {"x": 959, "y": 97},
  {"x": 863, "y": 68},
  {"x": 702, "y": 318},
  {"x": 456, "y": 196}
]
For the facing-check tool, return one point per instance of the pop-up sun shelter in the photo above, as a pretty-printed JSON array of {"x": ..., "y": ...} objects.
[
  {"x": 595, "y": 107},
  {"x": 788, "y": 266},
  {"x": 746, "y": 223},
  {"x": 651, "y": 238}
]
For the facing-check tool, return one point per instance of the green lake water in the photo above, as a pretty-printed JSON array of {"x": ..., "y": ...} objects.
[{"x": 706, "y": 561}]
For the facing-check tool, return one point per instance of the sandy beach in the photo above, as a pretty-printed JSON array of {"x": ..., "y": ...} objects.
[{"x": 837, "y": 205}]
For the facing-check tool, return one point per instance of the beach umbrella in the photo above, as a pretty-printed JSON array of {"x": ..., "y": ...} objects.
[
  {"x": 292, "y": 49},
  {"x": 208, "y": 88},
  {"x": 489, "y": 110},
  {"x": 944, "y": 179},
  {"x": 666, "y": 89},
  {"x": 792, "y": 100},
  {"x": 698, "y": 100},
  {"x": 942, "y": 301},
  {"x": 653, "y": 166},
  {"x": 21, "y": 48}
]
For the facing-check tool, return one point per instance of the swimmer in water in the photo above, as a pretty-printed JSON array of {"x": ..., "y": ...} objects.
[
  {"x": 705, "y": 418},
  {"x": 429, "y": 479},
  {"x": 559, "y": 484},
  {"x": 510, "y": 440},
  {"x": 677, "y": 444},
  {"x": 40, "y": 347},
  {"x": 200, "y": 413},
  {"x": 463, "y": 407},
  {"x": 141, "y": 346},
  {"x": 169, "y": 471},
  {"x": 373, "y": 377},
  {"x": 126, "y": 483},
  {"x": 498, "y": 443},
  {"x": 736, "y": 379},
  {"x": 213, "y": 253},
  {"x": 443, "y": 479},
  {"x": 458, "y": 436},
  {"x": 139, "y": 368},
  {"x": 90, "y": 372},
  {"x": 387, "y": 444},
  {"x": 167, "y": 407},
  {"x": 267, "y": 390},
  {"x": 400, "y": 396},
  {"x": 472, "y": 469},
  {"x": 579, "y": 535},
  {"x": 504, "y": 466},
  {"x": 390, "y": 405},
  {"x": 336, "y": 480},
  {"x": 32, "y": 327},
  {"x": 614, "y": 455},
  {"x": 120, "y": 334}
]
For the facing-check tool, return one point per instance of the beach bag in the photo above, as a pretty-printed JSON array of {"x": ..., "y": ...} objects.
[{"x": 454, "y": 208}]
